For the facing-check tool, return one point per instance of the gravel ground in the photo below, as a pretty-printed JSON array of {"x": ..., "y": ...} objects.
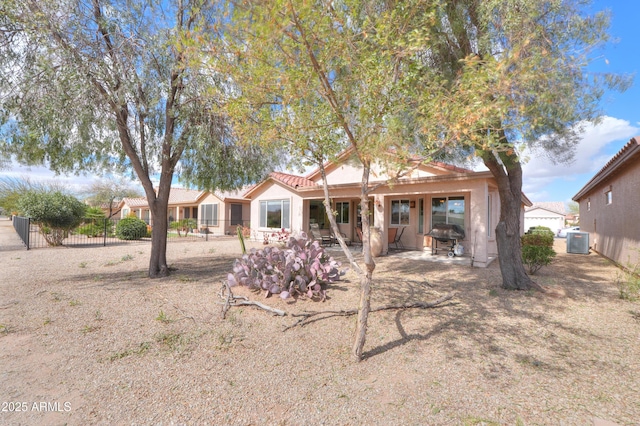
[{"x": 85, "y": 338}]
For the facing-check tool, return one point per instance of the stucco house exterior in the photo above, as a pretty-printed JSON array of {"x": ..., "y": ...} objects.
[
  {"x": 218, "y": 213},
  {"x": 432, "y": 193},
  {"x": 610, "y": 206},
  {"x": 547, "y": 213}
]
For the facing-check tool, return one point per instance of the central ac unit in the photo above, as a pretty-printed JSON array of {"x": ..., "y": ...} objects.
[{"x": 578, "y": 242}]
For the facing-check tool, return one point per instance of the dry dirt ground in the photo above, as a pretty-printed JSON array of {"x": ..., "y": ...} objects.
[{"x": 85, "y": 338}]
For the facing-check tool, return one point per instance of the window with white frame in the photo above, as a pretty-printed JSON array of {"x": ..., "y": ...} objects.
[
  {"x": 447, "y": 210},
  {"x": 421, "y": 216},
  {"x": 342, "y": 212},
  {"x": 275, "y": 214},
  {"x": 399, "y": 212},
  {"x": 608, "y": 197},
  {"x": 209, "y": 214}
]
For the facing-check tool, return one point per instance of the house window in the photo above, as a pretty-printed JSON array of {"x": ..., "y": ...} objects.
[
  {"x": 421, "y": 216},
  {"x": 447, "y": 210},
  {"x": 342, "y": 212},
  {"x": 589, "y": 205},
  {"x": 399, "y": 212},
  {"x": 275, "y": 214},
  {"x": 209, "y": 214},
  {"x": 608, "y": 197}
]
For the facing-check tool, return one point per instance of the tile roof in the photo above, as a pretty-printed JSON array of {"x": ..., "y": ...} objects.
[
  {"x": 135, "y": 202},
  {"x": 553, "y": 206},
  {"x": 183, "y": 195},
  {"x": 292, "y": 180}
]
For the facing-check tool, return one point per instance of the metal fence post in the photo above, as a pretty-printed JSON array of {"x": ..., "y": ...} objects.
[
  {"x": 28, "y": 231},
  {"x": 104, "y": 238}
]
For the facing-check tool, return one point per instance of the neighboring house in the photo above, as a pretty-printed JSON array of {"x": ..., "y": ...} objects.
[
  {"x": 218, "y": 212},
  {"x": 433, "y": 193},
  {"x": 550, "y": 214},
  {"x": 609, "y": 206},
  {"x": 109, "y": 213}
]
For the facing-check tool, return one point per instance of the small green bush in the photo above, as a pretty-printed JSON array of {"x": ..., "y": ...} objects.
[
  {"x": 91, "y": 230},
  {"x": 131, "y": 228},
  {"x": 55, "y": 213},
  {"x": 537, "y": 248},
  {"x": 536, "y": 238},
  {"x": 535, "y": 257}
]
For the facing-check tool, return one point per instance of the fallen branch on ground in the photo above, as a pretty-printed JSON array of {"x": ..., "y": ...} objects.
[
  {"x": 232, "y": 300},
  {"x": 320, "y": 315}
]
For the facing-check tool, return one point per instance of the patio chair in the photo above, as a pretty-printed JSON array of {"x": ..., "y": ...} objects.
[
  {"x": 396, "y": 241},
  {"x": 317, "y": 235},
  {"x": 391, "y": 235}
]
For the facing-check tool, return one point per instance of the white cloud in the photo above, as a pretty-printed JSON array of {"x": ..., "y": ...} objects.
[
  {"x": 591, "y": 154},
  {"x": 41, "y": 174}
]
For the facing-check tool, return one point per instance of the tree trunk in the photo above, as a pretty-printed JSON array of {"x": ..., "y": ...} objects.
[
  {"x": 508, "y": 173},
  {"x": 364, "y": 307},
  {"x": 158, "y": 206}
]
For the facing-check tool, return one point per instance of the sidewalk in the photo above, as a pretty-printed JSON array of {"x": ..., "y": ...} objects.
[{"x": 9, "y": 239}]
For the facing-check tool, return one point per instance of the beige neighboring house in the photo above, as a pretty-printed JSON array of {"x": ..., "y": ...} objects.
[
  {"x": 433, "y": 193},
  {"x": 113, "y": 212},
  {"x": 610, "y": 206},
  {"x": 547, "y": 213},
  {"x": 217, "y": 213}
]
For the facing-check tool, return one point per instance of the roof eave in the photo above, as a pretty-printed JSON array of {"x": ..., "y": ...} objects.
[{"x": 629, "y": 151}]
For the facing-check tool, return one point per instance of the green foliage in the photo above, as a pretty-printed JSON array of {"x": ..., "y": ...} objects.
[
  {"x": 56, "y": 213},
  {"x": 11, "y": 189},
  {"x": 184, "y": 225},
  {"x": 131, "y": 228},
  {"x": 91, "y": 229},
  {"x": 537, "y": 249},
  {"x": 540, "y": 236},
  {"x": 94, "y": 213},
  {"x": 628, "y": 280},
  {"x": 137, "y": 98}
]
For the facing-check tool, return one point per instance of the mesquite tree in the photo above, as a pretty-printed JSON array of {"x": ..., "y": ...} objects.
[
  {"x": 504, "y": 77},
  {"x": 314, "y": 76},
  {"x": 118, "y": 84}
]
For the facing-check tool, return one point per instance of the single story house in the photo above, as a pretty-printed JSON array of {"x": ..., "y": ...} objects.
[
  {"x": 433, "y": 193},
  {"x": 609, "y": 206},
  {"x": 217, "y": 213},
  {"x": 549, "y": 213}
]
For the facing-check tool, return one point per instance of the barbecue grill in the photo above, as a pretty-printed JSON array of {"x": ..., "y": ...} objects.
[{"x": 448, "y": 235}]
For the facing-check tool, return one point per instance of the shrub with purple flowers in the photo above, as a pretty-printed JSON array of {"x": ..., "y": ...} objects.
[{"x": 303, "y": 268}]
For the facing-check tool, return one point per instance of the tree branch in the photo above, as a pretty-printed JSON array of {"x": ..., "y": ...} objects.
[
  {"x": 231, "y": 300},
  {"x": 305, "y": 318}
]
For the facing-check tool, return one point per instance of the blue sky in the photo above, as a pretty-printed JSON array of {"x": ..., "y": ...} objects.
[{"x": 544, "y": 181}]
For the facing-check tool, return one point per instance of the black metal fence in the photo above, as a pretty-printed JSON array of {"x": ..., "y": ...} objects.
[{"x": 103, "y": 232}]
